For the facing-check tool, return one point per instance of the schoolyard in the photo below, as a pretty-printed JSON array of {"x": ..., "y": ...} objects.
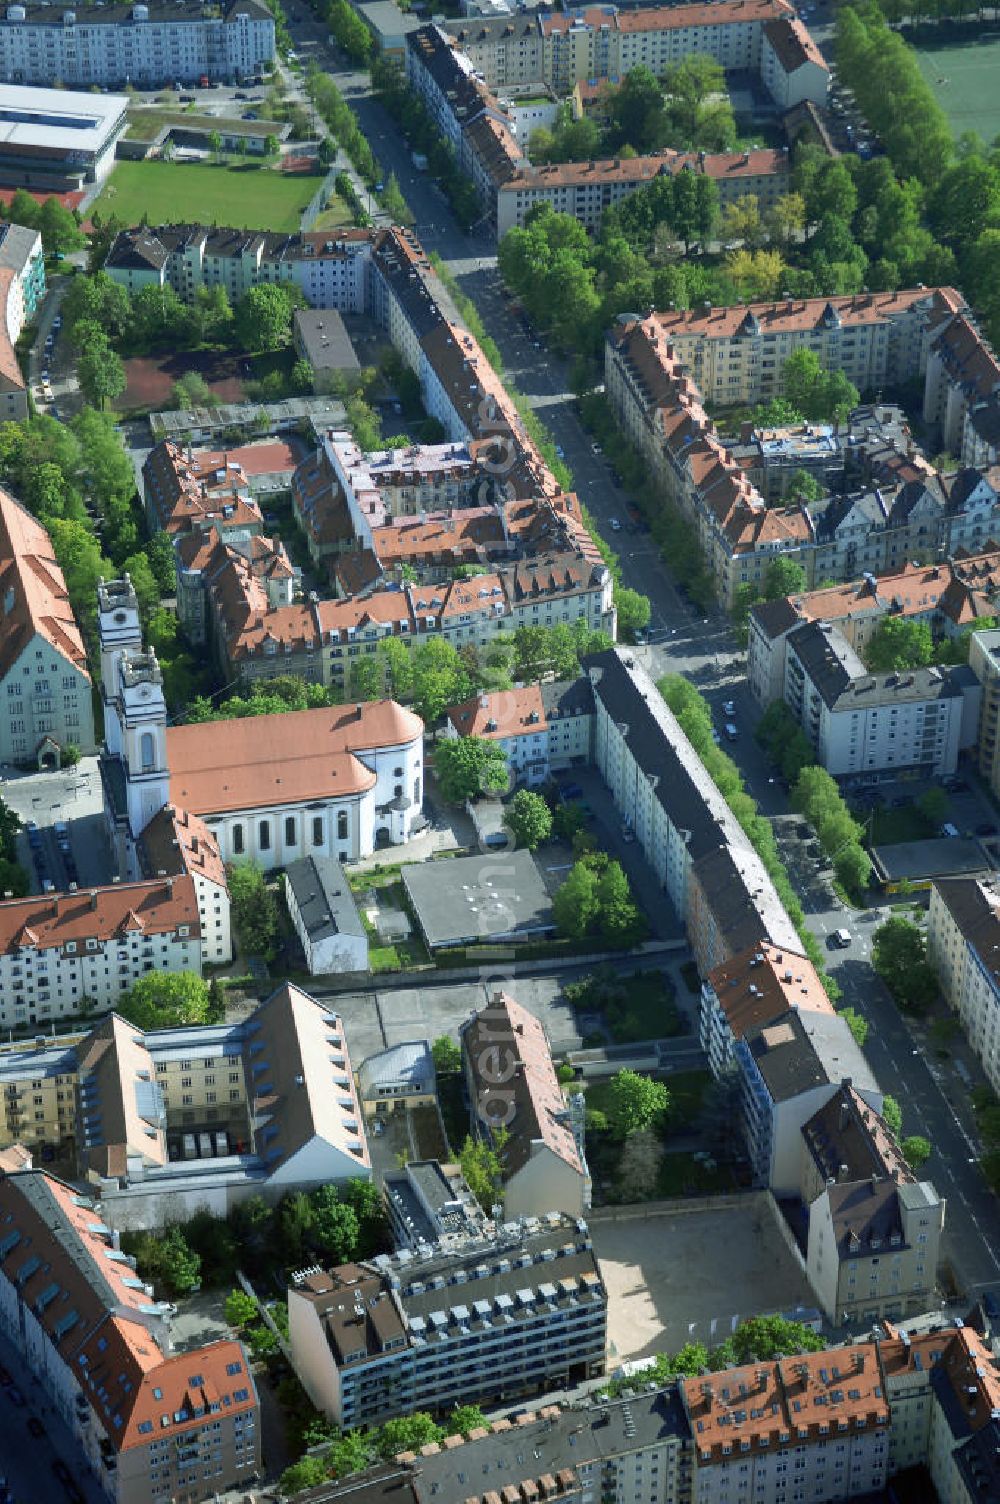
[
  {"x": 245, "y": 195},
  {"x": 964, "y": 80}
]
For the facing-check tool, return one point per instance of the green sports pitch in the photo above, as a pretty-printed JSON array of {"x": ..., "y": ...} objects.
[
  {"x": 245, "y": 197},
  {"x": 965, "y": 81}
]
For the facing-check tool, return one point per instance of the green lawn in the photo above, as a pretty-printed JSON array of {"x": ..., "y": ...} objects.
[
  {"x": 683, "y": 1175},
  {"x": 245, "y": 196},
  {"x": 888, "y": 826},
  {"x": 964, "y": 81}
]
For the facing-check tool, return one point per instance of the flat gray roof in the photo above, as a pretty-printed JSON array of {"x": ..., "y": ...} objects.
[
  {"x": 325, "y": 340},
  {"x": 921, "y": 861},
  {"x": 470, "y": 898},
  {"x": 58, "y": 119}
]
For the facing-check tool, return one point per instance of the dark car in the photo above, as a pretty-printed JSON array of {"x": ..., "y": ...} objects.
[
  {"x": 986, "y": 829},
  {"x": 901, "y": 801},
  {"x": 14, "y": 1395},
  {"x": 957, "y": 786},
  {"x": 35, "y": 1426}
]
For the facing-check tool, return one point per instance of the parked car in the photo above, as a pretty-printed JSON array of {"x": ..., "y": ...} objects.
[
  {"x": 14, "y": 1395},
  {"x": 616, "y": 525},
  {"x": 732, "y": 732},
  {"x": 986, "y": 829},
  {"x": 729, "y": 708},
  {"x": 842, "y": 938},
  {"x": 35, "y": 1426}
]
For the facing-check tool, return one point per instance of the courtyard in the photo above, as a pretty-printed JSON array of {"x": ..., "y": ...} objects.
[{"x": 673, "y": 1277}]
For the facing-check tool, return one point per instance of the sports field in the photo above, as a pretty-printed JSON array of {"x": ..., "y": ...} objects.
[
  {"x": 966, "y": 83},
  {"x": 244, "y": 196}
]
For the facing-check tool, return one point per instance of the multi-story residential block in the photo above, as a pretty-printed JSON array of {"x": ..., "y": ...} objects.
[
  {"x": 219, "y": 574},
  {"x": 963, "y": 932},
  {"x": 918, "y": 593},
  {"x": 961, "y": 390},
  {"x": 331, "y": 273},
  {"x": 44, "y": 681},
  {"x": 681, "y": 822},
  {"x": 183, "y": 493},
  {"x": 586, "y": 189},
  {"x": 771, "y": 456},
  {"x": 325, "y": 916},
  {"x": 480, "y": 1319},
  {"x": 766, "y": 1016},
  {"x": 263, "y": 787},
  {"x": 861, "y": 724},
  {"x": 825, "y": 1414},
  {"x": 144, "y": 45},
  {"x": 514, "y": 719},
  {"x": 22, "y": 287},
  {"x": 176, "y": 843},
  {"x": 874, "y": 1229},
  {"x": 512, "y": 1085},
  {"x": 984, "y": 661},
  {"x": 168, "y": 1122},
  {"x": 61, "y": 953},
  {"x": 792, "y": 67},
  {"x": 147, "y": 1425},
  {"x": 965, "y": 1420}
]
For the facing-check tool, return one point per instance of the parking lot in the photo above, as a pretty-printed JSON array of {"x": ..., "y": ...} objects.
[{"x": 64, "y": 838}]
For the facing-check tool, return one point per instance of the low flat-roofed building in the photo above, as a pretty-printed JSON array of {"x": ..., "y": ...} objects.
[
  {"x": 918, "y": 864},
  {"x": 428, "y": 1202},
  {"x": 388, "y": 25},
  {"x": 325, "y": 916},
  {"x": 55, "y": 139},
  {"x": 499, "y": 897},
  {"x": 401, "y": 1076},
  {"x": 320, "y": 336}
]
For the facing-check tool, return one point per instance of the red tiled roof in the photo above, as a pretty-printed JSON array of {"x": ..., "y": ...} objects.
[
  {"x": 502, "y": 714},
  {"x": 33, "y": 594}
]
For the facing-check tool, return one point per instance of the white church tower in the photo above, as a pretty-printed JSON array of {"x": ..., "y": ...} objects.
[
  {"x": 141, "y": 712},
  {"x": 119, "y": 631}
]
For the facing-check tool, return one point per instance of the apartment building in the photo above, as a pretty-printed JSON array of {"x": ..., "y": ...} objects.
[
  {"x": 44, "y": 681},
  {"x": 965, "y": 1424},
  {"x": 512, "y": 1085},
  {"x": 329, "y": 271},
  {"x": 984, "y": 661},
  {"x": 874, "y": 1229},
  {"x": 861, "y": 724},
  {"x": 792, "y": 67},
  {"x": 217, "y": 571},
  {"x": 961, "y": 390},
  {"x": 61, "y": 953},
  {"x": 812, "y": 1424},
  {"x": 168, "y": 1122},
  {"x": 476, "y": 1320},
  {"x": 682, "y": 824},
  {"x": 147, "y": 1425},
  {"x": 177, "y": 844},
  {"x": 515, "y": 720},
  {"x": 144, "y": 45},
  {"x": 586, "y": 189},
  {"x": 963, "y": 931},
  {"x": 855, "y": 609},
  {"x": 184, "y": 492},
  {"x": 22, "y": 287}
]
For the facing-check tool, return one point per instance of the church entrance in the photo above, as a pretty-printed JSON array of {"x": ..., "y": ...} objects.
[{"x": 48, "y": 755}]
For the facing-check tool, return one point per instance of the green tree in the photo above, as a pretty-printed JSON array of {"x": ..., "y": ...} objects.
[
  {"x": 241, "y": 1309},
  {"x": 99, "y": 299},
  {"x": 335, "y": 1227},
  {"x": 179, "y": 1265},
  {"x": 468, "y": 767},
  {"x": 440, "y": 678},
  {"x": 575, "y": 906},
  {"x": 308, "y": 1472},
  {"x": 633, "y": 609},
  {"x": 529, "y": 819},
  {"x": 892, "y": 1116},
  {"x": 263, "y": 318},
  {"x": 857, "y": 1024},
  {"x": 768, "y": 1338},
  {"x": 916, "y": 1150},
  {"x": 899, "y": 955},
  {"x": 897, "y": 643},
  {"x": 147, "y": 591},
  {"x": 254, "y": 908},
  {"x": 294, "y": 1227},
  {"x": 165, "y": 1000},
  {"x": 482, "y": 1164},
  {"x": 100, "y": 373},
  {"x": 465, "y": 1418},
  {"x": 618, "y": 917},
  {"x": 58, "y": 228},
  {"x": 408, "y": 1433},
  {"x": 447, "y": 1056},
  {"x": 820, "y": 395},
  {"x": 783, "y": 576},
  {"x": 803, "y": 486},
  {"x": 398, "y": 664},
  {"x": 853, "y": 867},
  {"x": 635, "y": 1102}
]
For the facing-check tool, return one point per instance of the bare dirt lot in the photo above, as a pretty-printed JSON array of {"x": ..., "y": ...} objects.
[{"x": 675, "y": 1276}]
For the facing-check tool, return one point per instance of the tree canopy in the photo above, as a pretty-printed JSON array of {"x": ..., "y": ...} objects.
[
  {"x": 529, "y": 819},
  {"x": 899, "y": 955},
  {"x": 165, "y": 1000},
  {"x": 635, "y": 1102},
  {"x": 469, "y": 767}
]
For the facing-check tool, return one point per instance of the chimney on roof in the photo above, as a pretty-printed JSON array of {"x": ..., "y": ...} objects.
[
  {"x": 93, "y": 899},
  {"x": 170, "y": 887},
  {"x": 873, "y": 1183},
  {"x": 844, "y": 1115},
  {"x": 843, "y": 1173}
]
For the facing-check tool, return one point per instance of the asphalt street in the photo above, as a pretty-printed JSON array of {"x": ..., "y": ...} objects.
[{"x": 703, "y": 648}]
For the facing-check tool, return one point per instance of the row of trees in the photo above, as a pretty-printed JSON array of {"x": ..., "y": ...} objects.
[
  {"x": 688, "y": 109},
  {"x": 816, "y": 794},
  {"x": 58, "y": 226},
  {"x": 899, "y": 642},
  {"x": 341, "y": 122},
  {"x": 695, "y": 718},
  {"x": 13, "y": 878},
  {"x": 759, "y": 1339},
  {"x": 899, "y": 955},
  {"x": 418, "y": 126},
  {"x": 353, "y": 1451}
]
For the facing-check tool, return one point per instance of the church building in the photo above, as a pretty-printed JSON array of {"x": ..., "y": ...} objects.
[{"x": 338, "y": 781}]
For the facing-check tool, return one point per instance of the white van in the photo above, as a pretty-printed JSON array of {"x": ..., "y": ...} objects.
[
  {"x": 843, "y": 938},
  {"x": 948, "y": 829}
]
